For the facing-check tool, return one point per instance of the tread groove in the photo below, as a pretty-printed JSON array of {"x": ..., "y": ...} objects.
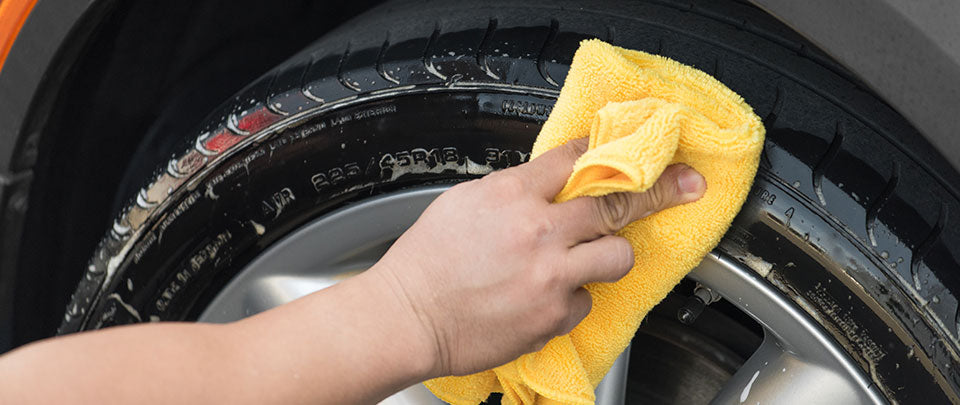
[
  {"x": 426, "y": 59},
  {"x": 765, "y": 159},
  {"x": 881, "y": 200},
  {"x": 482, "y": 48},
  {"x": 825, "y": 161},
  {"x": 541, "y": 59},
  {"x": 340, "y": 78},
  {"x": 956, "y": 321},
  {"x": 270, "y": 93},
  {"x": 611, "y": 34},
  {"x": 932, "y": 238},
  {"x": 270, "y": 85},
  {"x": 769, "y": 121},
  {"x": 771, "y": 118},
  {"x": 303, "y": 81},
  {"x": 383, "y": 72},
  {"x": 885, "y": 133}
]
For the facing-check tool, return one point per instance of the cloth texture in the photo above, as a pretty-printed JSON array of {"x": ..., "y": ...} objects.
[{"x": 642, "y": 112}]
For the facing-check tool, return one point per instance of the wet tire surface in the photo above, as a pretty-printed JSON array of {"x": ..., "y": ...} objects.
[{"x": 851, "y": 215}]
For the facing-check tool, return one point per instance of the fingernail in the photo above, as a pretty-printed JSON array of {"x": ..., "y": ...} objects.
[{"x": 689, "y": 181}]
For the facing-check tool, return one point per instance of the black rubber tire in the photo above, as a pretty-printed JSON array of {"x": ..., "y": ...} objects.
[{"x": 848, "y": 217}]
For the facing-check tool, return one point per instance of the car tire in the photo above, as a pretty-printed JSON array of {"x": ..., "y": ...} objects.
[{"x": 851, "y": 215}]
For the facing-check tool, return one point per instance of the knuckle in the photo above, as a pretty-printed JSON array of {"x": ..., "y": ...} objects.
[
  {"x": 542, "y": 227},
  {"x": 656, "y": 197},
  {"x": 624, "y": 253},
  {"x": 660, "y": 197},
  {"x": 556, "y": 317},
  {"x": 613, "y": 211},
  {"x": 546, "y": 279},
  {"x": 577, "y": 309},
  {"x": 507, "y": 183},
  {"x": 534, "y": 229},
  {"x": 577, "y": 147}
]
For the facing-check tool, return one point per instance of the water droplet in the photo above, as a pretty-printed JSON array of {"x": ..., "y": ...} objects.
[
  {"x": 796, "y": 184},
  {"x": 936, "y": 299},
  {"x": 884, "y": 254},
  {"x": 451, "y": 53}
]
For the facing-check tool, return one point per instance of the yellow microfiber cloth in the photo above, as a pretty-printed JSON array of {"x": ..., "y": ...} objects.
[{"x": 642, "y": 112}]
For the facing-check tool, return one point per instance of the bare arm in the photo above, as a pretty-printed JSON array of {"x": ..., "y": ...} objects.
[
  {"x": 432, "y": 306},
  {"x": 351, "y": 343}
]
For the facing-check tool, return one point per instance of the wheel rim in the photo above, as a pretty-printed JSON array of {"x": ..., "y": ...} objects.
[{"x": 797, "y": 362}]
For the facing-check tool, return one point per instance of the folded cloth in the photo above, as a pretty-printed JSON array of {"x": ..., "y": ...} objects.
[{"x": 642, "y": 112}]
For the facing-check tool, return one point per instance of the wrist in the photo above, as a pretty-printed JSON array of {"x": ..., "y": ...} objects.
[{"x": 407, "y": 327}]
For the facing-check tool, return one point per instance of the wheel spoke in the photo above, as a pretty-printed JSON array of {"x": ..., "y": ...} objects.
[
  {"x": 774, "y": 376},
  {"x": 613, "y": 388},
  {"x": 797, "y": 363}
]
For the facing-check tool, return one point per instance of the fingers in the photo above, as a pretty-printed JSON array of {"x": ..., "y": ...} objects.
[
  {"x": 588, "y": 218},
  {"x": 607, "y": 259},
  {"x": 548, "y": 173},
  {"x": 580, "y": 305}
]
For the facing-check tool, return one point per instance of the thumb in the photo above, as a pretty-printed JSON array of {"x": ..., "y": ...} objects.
[
  {"x": 592, "y": 217},
  {"x": 679, "y": 184}
]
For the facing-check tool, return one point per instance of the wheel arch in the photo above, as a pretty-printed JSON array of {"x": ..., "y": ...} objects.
[{"x": 67, "y": 59}]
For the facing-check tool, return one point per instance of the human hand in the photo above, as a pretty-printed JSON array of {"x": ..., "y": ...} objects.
[{"x": 493, "y": 269}]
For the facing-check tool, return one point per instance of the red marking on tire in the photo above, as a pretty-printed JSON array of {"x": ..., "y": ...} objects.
[
  {"x": 222, "y": 141},
  {"x": 257, "y": 120}
]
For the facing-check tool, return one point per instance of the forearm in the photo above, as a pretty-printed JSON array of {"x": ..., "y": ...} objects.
[
  {"x": 167, "y": 362},
  {"x": 350, "y": 343}
]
